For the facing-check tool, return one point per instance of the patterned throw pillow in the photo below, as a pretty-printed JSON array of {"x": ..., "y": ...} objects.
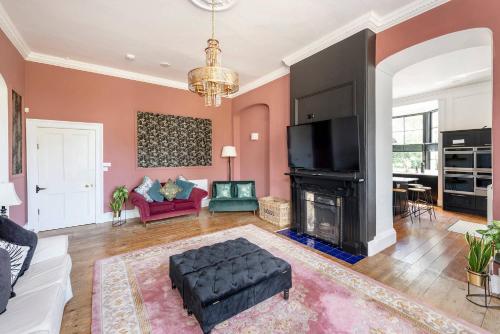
[
  {"x": 169, "y": 190},
  {"x": 154, "y": 192},
  {"x": 244, "y": 190},
  {"x": 17, "y": 256},
  {"x": 223, "y": 190},
  {"x": 143, "y": 189}
]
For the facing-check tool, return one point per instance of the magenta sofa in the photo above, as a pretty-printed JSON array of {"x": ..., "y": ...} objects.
[{"x": 168, "y": 209}]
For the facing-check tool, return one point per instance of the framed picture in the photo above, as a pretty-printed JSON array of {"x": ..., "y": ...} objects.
[{"x": 17, "y": 134}]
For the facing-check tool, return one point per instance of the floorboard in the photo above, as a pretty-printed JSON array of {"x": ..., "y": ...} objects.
[{"x": 427, "y": 262}]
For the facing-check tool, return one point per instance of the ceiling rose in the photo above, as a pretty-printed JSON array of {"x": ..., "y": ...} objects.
[{"x": 219, "y": 5}]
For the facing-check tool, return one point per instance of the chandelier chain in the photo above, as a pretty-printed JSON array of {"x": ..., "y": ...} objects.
[{"x": 213, "y": 19}]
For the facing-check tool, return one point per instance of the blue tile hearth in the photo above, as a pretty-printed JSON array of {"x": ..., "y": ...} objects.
[{"x": 322, "y": 246}]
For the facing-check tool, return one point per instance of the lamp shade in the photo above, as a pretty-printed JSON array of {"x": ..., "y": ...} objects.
[
  {"x": 228, "y": 152},
  {"x": 8, "y": 195}
]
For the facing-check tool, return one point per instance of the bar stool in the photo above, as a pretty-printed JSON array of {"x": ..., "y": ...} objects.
[
  {"x": 401, "y": 201},
  {"x": 430, "y": 201},
  {"x": 420, "y": 201}
]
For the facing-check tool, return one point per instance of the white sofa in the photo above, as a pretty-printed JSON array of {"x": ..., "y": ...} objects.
[{"x": 42, "y": 292}]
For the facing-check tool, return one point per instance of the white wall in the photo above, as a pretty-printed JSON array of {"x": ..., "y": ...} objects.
[{"x": 461, "y": 108}]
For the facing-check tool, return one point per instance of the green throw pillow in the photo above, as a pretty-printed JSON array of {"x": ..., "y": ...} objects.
[
  {"x": 169, "y": 190},
  {"x": 223, "y": 190},
  {"x": 244, "y": 190}
]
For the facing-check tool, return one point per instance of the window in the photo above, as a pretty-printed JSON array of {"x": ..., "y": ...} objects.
[{"x": 415, "y": 139}]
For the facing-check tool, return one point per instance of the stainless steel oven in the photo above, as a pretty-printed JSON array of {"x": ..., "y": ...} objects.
[
  {"x": 483, "y": 180},
  {"x": 483, "y": 158},
  {"x": 459, "y": 158},
  {"x": 459, "y": 182}
]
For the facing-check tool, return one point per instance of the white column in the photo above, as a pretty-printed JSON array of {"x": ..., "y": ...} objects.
[{"x": 385, "y": 233}]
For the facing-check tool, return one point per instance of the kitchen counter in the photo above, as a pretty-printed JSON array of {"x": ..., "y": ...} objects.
[
  {"x": 427, "y": 179},
  {"x": 409, "y": 173}
]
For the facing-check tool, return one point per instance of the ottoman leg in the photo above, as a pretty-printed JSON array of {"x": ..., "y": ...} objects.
[
  {"x": 190, "y": 312},
  {"x": 173, "y": 286},
  {"x": 286, "y": 294}
]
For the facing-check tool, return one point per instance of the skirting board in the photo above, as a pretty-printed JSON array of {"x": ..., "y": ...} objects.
[{"x": 382, "y": 241}]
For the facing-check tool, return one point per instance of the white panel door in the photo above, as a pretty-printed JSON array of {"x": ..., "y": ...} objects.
[{"x": 65, "y": 192}]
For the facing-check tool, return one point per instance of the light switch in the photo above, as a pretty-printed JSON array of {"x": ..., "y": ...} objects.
[{"x": 254, "y": 136}]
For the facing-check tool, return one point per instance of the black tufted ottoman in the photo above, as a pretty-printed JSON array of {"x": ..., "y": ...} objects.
[
  {"x": 220, "y": 291},
  {"x": 196, "y": 259}
]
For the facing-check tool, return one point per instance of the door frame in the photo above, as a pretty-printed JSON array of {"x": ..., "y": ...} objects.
[{"x": 32, "y": 126}]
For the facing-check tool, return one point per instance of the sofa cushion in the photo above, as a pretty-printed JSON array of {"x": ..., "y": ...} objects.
[
  {"x": 154, "y": 192},
  {"x": 223, "y": 190},
  {"x": 5, "y": 286},
  {"x": 49, "y": 248},
  {"x": 186, "y": 188},
  {"x": 37, "y": 312},
  {"x": 233, "y": 204},
  {"x": 144, "y": 187},
  {"x": 183, "y": 204},
  {"x": 11, "y": 232},
  {"x": 45, "y": 274},
  {"x": 161, "y": 207}
]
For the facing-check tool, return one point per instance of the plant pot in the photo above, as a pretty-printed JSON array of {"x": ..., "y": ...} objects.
[
  {"x": 117, "y": 214},
  {"x": 476, "y": 279}
]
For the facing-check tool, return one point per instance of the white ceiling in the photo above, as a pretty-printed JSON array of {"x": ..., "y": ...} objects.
[
  {"x": 255, "y": 35},
  {"x": 448, "y": 70}
]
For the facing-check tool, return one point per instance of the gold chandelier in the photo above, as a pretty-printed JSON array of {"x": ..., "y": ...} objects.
[{"x": 213, "y": 81}]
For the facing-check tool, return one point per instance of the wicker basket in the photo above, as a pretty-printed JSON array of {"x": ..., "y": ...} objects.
[{"x": 275, "y": 210}]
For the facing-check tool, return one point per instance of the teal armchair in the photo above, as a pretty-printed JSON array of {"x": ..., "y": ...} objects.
[{"x": 233, "y": 203}]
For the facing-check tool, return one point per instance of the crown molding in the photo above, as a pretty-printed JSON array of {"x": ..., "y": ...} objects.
[
  {"x": 368, "y": 21},
  {"x": 276, "y": 74},
  {"x": 105, "y": 70},
  {"x": 12, "y": 33}
]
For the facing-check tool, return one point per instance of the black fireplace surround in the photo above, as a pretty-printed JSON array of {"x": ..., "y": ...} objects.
[{"x": 338, "y": 81}]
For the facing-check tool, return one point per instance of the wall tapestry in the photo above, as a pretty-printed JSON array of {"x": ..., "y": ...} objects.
[
  {"x": 17, "y": 134},
  {"x": 173, "y": 141}
]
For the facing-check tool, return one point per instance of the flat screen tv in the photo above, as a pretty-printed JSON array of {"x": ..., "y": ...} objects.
[{"x": 331, "y": 145}]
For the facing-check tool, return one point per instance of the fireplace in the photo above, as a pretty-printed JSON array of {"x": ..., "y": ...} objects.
[{"x": 323, "y": 216}]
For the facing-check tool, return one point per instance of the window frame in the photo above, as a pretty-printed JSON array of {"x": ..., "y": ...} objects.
[{"x": 427, "y": 146}]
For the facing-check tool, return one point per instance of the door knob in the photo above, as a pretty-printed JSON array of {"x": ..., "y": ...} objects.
[
  {"x": 87, "y": 186},
  {"x": 37, "y": 188}
]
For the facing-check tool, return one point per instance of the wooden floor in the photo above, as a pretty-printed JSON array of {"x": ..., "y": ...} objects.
[{"x": 427, "y": 262}]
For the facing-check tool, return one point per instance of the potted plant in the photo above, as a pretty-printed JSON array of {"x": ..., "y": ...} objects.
[
  {"x": 492, "y": 234},
  {"x": 480, "y": 252},
  {"x": 119, "y": 197}
]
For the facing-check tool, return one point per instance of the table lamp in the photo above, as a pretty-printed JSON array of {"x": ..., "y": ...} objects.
[
  {"x": 8, "y": 197},
  {"x": 229, "y": 152}
]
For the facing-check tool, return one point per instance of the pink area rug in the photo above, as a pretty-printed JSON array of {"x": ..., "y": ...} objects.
[{"x": 132, "y": 294}]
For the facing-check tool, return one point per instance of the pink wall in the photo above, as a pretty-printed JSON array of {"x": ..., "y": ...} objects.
[
  {"x": 62, "y": 94},
  {"x": 12, "y": 69},
  {"x": 276, "y": 96},
  {"x": 453, "y": 16},
  {"x": 254, "y": 154}
]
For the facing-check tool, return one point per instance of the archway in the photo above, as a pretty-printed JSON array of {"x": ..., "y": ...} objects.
[
  {"x": 385, "y": 71},
  {"x": 254, "y": 151},
  {"x": 4, "y": 131}
]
